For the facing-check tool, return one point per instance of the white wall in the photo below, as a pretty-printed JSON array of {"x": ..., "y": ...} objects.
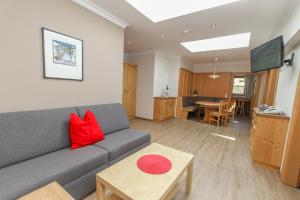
[
  {"x": 162, "y": 71},
  {"x": 22, "y": 86},
  {"x": 289, "y": 76},
  {"x": 155, "y": 71},
  {"x": 291, "y": 25},
  {"x": 185, "y": 63},
  {"x": 222, "y": 67},
  {"x": 174, "y": 76},
  {"x": 166, "y": 72},
  {"x": 145, "y": 82},
  {"x": 287, "y": 84}
]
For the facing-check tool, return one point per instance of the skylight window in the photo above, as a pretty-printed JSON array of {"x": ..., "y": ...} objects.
[
  {"x": 159, "y": 10},
  {"x": 219, "y": 43}
]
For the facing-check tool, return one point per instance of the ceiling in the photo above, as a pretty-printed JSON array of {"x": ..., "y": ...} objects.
[{"x": 260, "y": 17}]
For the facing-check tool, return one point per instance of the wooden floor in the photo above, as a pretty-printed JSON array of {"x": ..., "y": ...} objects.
[{"x": 223, "y": 168}]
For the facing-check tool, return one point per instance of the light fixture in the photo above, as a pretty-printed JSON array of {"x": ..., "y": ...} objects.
[
  {"x": 213, "y": 26},
  {"x": 186, "y": 31},
  {"x": 214, "y": 75},
  {"x": 129, "y": 43},
  {"x": 219, "y": 43},
  {"x": 158, "y": 11}
]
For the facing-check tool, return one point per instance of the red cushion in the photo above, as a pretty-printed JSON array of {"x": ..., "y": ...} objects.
[
  {"x": 154, "y": 164},
  {"x": 84, "y": 132}
]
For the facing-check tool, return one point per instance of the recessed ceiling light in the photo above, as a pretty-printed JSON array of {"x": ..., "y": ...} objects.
[
  {"x": 213, "y": 26},
  {"x": 219, "y": 43},
  {"x": 166, "y": 9}
]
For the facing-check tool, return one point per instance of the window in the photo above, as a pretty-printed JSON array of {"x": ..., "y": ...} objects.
[{"x": 239, "y": 84}]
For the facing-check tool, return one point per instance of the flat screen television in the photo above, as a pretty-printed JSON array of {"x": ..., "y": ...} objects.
[{"x": 268, "y": 56}]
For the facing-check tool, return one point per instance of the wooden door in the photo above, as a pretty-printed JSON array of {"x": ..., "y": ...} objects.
[
  {"x": 165, "y": 109},
  {"x": 170, "y": 108},
  {"x": 129, "y": 89}
]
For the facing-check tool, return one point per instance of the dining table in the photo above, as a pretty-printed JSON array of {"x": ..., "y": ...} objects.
[{"x": 209, "y": 106}]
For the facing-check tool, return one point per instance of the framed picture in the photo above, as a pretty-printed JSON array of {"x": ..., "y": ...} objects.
[{"x": 62, "y": 55}]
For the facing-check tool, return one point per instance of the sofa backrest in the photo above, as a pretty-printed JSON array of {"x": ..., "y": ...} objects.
[
  {"x": 24, "y": 135},
  {"x": 112, "y": 117}
]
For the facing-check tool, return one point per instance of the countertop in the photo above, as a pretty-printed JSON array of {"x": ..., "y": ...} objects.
[
  {"x": 258, "y": 112},
  {"x": 162, "y": 97}
]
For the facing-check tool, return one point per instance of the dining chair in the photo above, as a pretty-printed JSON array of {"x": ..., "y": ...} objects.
[
  {"x": 240, "y": 107},
  {"x": 218, "y": 116},
  {"x": 230, "y": 109}
]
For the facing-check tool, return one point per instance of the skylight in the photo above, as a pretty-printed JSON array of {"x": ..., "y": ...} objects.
[
  {"x": 159, "y": 10},
  {"x": 219, "y": 43}
]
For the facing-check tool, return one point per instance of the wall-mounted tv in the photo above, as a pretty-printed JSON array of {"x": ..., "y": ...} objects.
[{"x": 268, "y": 56}]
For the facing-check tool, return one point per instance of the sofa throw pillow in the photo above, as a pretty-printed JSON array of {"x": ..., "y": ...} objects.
[{"x": 86, "y": 131}]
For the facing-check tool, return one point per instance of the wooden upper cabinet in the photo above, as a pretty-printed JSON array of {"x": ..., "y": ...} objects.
[{"x": 129, "y": 89}]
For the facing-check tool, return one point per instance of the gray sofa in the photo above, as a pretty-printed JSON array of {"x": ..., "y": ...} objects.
[{"x": 35, "y": 149}]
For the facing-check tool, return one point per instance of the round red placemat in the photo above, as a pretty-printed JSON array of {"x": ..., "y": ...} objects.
[{"x": 154, "y": 164}]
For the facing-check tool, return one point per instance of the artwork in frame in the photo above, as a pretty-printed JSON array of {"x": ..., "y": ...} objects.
[{"x": 63, "y": 56}]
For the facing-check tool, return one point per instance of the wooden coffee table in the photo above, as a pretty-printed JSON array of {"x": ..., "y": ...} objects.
[
  {"x": 53, "y": 191},
  {"x": 128, "y": 182}
]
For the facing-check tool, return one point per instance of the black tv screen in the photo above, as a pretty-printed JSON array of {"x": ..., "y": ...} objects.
[{"x": 268, "y": 56}]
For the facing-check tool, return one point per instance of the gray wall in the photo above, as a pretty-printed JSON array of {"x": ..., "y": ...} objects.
[{"x": 22, "y": 86}]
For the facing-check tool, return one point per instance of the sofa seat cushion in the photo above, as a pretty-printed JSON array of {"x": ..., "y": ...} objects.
[
  {"x": 62, "y": 166},
  {"x": 190, "y": 108},
  {"x": 121, "y": 142}
]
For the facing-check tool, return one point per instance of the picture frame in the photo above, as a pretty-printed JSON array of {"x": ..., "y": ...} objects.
[{"x": 62, "y": 56}]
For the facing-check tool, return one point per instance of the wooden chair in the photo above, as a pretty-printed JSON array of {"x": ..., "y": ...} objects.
[
  {"x": 240, "y": 107},
  {"x": 230, "y": 110},
  {"x": 218, "y": 116}
]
